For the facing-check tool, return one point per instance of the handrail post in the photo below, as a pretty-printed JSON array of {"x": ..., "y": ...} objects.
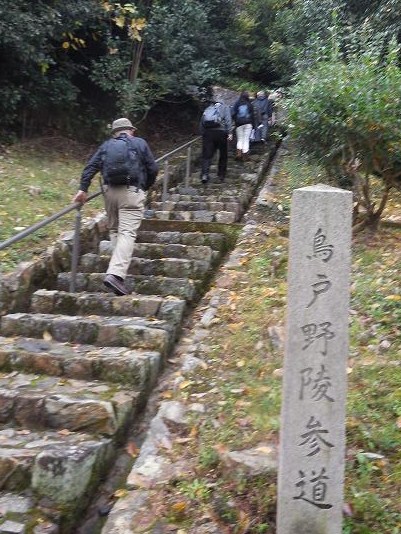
[
  {"x": 188, "y": 169},
  {"x": 165, "y": 183},
  {"x": 75, "y": 249}
]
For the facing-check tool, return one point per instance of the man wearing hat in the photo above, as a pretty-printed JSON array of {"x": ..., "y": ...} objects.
[{"x": 129, "y": 169}]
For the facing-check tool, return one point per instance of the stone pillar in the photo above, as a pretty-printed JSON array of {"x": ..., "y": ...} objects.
[{"x": 312, "y": 441}]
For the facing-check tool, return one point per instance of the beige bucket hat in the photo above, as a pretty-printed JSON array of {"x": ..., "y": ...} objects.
[{"x": 122, "y": 124}]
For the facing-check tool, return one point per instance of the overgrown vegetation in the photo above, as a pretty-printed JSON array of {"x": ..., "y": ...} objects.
[
  {"x": 344, "y": 114},
  {"x": 74, "y": 65}
]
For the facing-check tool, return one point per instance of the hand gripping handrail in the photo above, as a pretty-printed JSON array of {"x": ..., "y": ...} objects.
[{"x": 78, "y": 206}]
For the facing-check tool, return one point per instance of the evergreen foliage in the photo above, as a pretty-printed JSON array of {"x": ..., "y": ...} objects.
[
  {"x": 344, "y": 113},
  {"x": 76, "y": 64}
]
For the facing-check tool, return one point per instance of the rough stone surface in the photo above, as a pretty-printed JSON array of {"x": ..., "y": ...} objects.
[
  {"x": 312, "y": 441},
  {"x": 261, "y": 460},
  {"x": 46, "y": 528},
  {"x": 10, "y": 503},
  {"x": 12, "y": 527},
  {"x": 130, "y": 514},
  {"x": 276, "y": 334},
  {"x": 173, "y": 411},
  {"x": 190, "y": 363},
  {"x": 65, "y": 477},
  {"x": 157, "y": 470}
]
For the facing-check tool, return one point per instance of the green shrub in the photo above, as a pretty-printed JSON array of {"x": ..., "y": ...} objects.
[{"x": 344, "y": 111}]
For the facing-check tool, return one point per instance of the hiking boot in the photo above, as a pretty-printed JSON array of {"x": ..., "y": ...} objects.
[
  {"x": 204, "y": 178},
  {"x": 238, "y": 155},
  {"x": 116, "y": 284},
  {"x": 221, "y": 178}
]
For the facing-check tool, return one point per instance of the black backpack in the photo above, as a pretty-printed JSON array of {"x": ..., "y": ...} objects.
[{"x": 121, "y": 164}]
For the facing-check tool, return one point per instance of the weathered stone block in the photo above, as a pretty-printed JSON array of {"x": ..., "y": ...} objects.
[
  {"x": 64, "y": 476},
  {"x": 63, "y": 412},
  {"x": 12, "y": 527}
]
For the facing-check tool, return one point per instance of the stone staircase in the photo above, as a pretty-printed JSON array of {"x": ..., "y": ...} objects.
[{"x": 76, "y": 369}]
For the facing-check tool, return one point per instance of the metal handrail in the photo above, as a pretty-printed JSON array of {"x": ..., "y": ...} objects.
[
  {"x": 44, "y": 222},
  {"x": 78, "y": 206}
]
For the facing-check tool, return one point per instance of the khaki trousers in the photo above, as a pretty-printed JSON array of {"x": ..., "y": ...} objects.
[{"x": 124, "y": 207}]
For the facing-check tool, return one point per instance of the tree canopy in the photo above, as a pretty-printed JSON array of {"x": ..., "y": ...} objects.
[{"x": 74, "y": 64}]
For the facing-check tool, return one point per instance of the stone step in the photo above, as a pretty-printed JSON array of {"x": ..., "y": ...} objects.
[
  {"x": 46, "y": 402},
  {"x": 181, "y": 205},
  {"x": 59, "y": 465},
  {"x": 132, "y": 332},
  {"x": 144, "y": 285},
  {"x": 233, "y": 176},
  {"x": 225, "y": 198},
  {"x": 170, "y": 267},
  {"x": 137, "y": 368},
  {"x": 226, "y": 217},
  {"x": 199, "y": 189},
  {"x": 154, "y": 251},
  {"x": 15, "y": 508},
  {"x": 214, "y": 240},
  {"x": 61, "y": 302}
]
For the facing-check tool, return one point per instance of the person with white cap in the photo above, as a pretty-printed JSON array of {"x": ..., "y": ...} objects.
[{"x": 128, "y": 169}]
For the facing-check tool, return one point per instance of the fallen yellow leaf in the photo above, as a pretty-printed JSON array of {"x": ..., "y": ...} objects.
[
  {"x": 179, "y": 507},
  {"x": 185, "y": 384},
  {"x": 194, "y": 432},
  {"x": 167, "y": 394},
  {"x": 120, "y": 493},
  {"x": 64, "y": 432},
  {"x": 132, "y": 449},
  {"x": 47, "y": 336}
]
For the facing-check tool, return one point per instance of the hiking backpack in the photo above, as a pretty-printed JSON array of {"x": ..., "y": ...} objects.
[
  {"x": 243, "y": 115},
  {"x": 120, "y": 162},
  {"x": 211, "y": 117}
]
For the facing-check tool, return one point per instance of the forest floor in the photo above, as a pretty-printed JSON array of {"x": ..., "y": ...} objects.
[{"x": 241, "y": 381}]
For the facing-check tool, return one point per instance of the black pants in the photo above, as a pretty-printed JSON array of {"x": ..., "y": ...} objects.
[{"x": 214, "y": 140}]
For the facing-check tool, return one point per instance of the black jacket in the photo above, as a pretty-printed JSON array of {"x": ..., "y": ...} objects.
[{"x": 148, "y": 165}]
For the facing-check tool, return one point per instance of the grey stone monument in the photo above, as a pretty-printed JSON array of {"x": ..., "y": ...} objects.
[{"x": 312, "y": 441}]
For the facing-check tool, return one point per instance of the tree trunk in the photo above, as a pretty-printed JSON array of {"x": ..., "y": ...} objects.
[{"x": 136, "y": 55}]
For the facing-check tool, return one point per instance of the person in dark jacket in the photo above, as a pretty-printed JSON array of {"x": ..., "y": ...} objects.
[
  {"x": 215, "y": 137},
  {"x": 244, "y": 122},
  {"x": 125, "y": 204},
  {"x": 263, "y": 110}
]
